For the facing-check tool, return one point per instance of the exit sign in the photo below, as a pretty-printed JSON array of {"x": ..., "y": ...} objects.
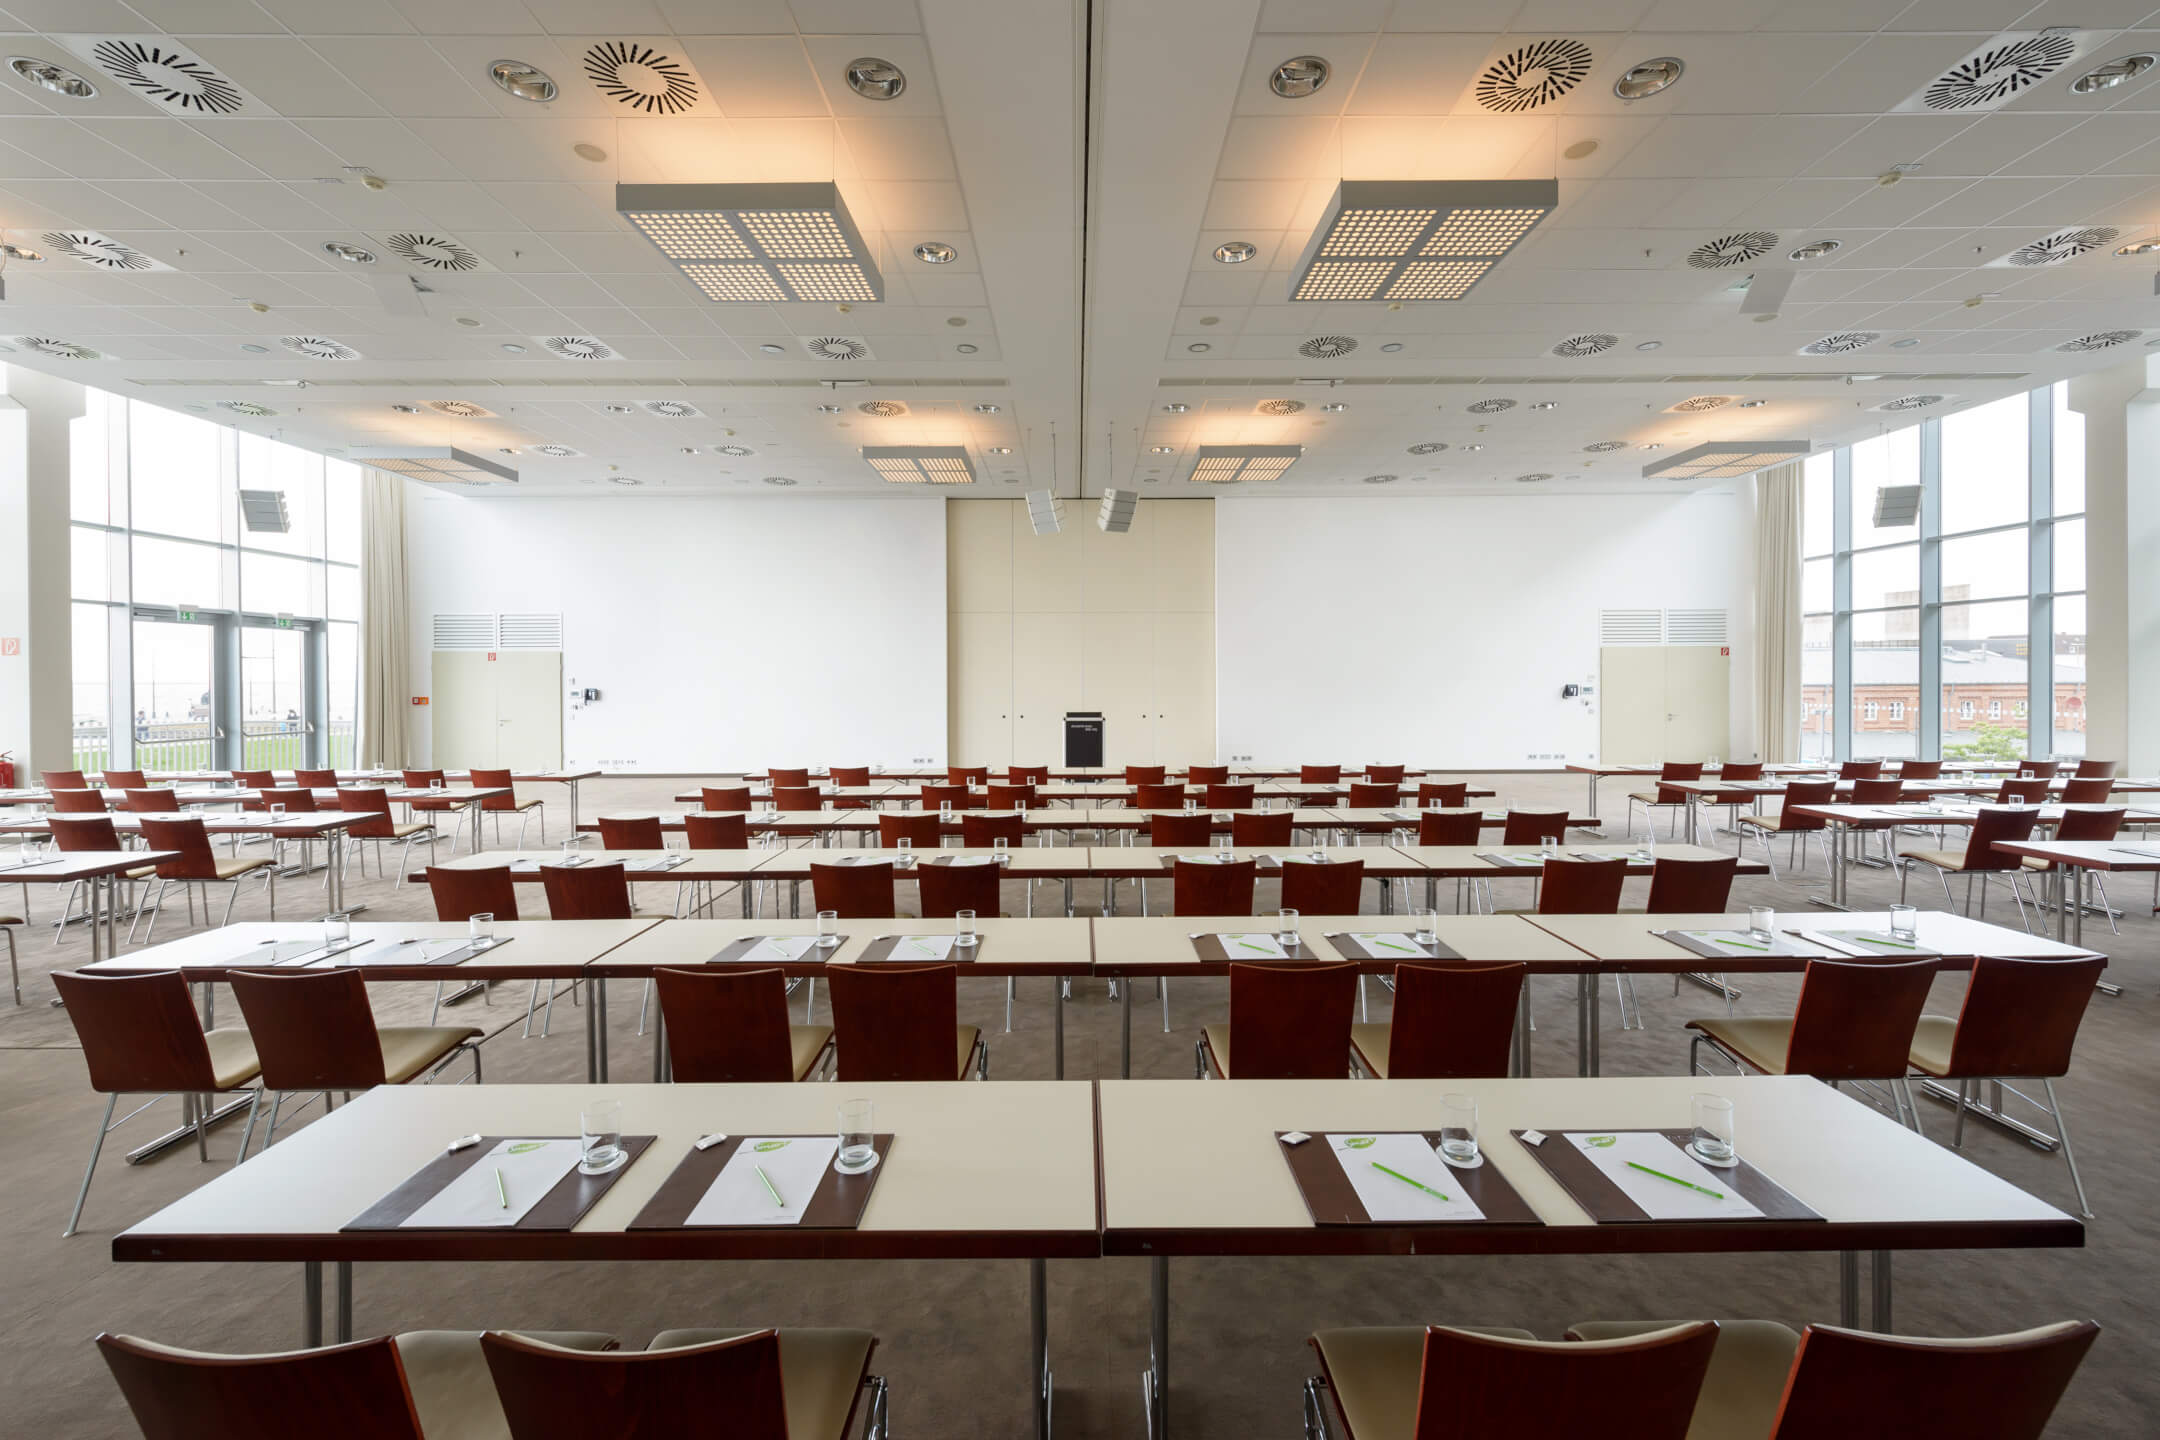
[{"x": 183, "y": 615}]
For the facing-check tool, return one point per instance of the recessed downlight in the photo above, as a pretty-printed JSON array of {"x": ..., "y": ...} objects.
[
  {"x": 1236, "y": 252},
  {"x": 876, "y": 79},
  {"x": 1176, "y": 407},
  {"x": 1602, "y": 447},
  {"x": 1428, "y": 447},
  {"x": 1533, "y": 478},
  {"x": 558, "y": 451},
  {"x": 511, "y": 347},
  {"x": 586, "y": 150},
  {"x": 1649, "y": 344},
  {"x": 1000, "y": 450},
  {"x": 936, "y": 252},
  {"x": 1162, "y": 450},
  {"x": 1752, "y": 404},
  {"x": 986, "y": 408},
  {"x": 350, "y": 254},
  {"x": 526, "y": 82},
  {"x": 253, "y": 349},
  {"x": 1392, "y": 347},
  {"x": 624, "y": 480},
  {"x": 618, "y": 408},
  {"x": 1299, "y": 77},
  {"x": 406, "y": 409},
  {"x": 22, "y": 253},
  {"x": 1905, "y": 344},
  {"x": 47, "y": 76},
  {"x": 1381, "y": 479},
  {"x": 963, "y": 348},
  {"x": 1816, "y": 249},
  {"x": 2113, "y": 73},
  {"x": 828, "y": 409},
  {"x": 1199, "y": 347},
  {"x": 2139, "y": 247},
  {"x": 1544, "y": 405},
  {"x": 736, "y": 450},
  {"x": 768, "y": 348},
  {"x": 1640, "y": 82}
]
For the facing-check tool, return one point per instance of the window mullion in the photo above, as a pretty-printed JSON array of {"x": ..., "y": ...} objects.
[{"x": 1928, "y": 741}]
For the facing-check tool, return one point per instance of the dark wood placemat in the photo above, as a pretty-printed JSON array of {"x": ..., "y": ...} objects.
[
  {"x": 837, "y": 1204},
  {"x": 560, "y": 1209},
  {"x": 1608, "y": 1204},
  {"x": 1209, "y": 947},
  {"x": 881, "y": 948},
  {"x": 1353, "y": 949},
  {"x": 1331, "y": 1199},
  {"x": 742, "y": 945}
]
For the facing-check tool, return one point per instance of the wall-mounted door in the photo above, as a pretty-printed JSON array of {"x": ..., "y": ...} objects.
[
  {"x": 1663, "y": 702},
  {"x": 498, "y": 709}
]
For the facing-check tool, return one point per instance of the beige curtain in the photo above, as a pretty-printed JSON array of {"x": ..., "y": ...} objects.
[
  {"x": 1777, "y": 613},
  {"x": 385, "y": 628}
]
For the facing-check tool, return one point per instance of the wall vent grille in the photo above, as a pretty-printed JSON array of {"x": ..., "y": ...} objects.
[
  {"x": 465, "y": 632},
  {"x": 1630, "y": 627},
  {"x": 530, "y": 632}
]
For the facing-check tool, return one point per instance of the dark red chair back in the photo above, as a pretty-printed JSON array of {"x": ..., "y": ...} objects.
[
  {"x": 2096, "y": 769},
  {"x": 1533, "y": 827},
  {"x": 1691, "y": 887},
  {"x": 935, "y": 797},
  {"x": 1385, "y": 774},
  {"x": 2020, "y": 1017},
  {"x": 1028, "y": 775},
  {"x": 153, "y": 802},
  {"x": 1581, "y": 887},
  {"x": 1178, "y": 831},
  {"x": 1878, "y": 792},
  {"x": 790, "y": 779},
  {"x": 2037, "y": 769},
  {"x": 716, "y": 832},
  {"x": 324, "y": 779},
  {"x": 1449, "y": 794},
  {"x": 946, "y": 890},
  {"x": 76, "y": 833},
  {"x": 967, "y": 774},
  {"x": 1920, "y": 770},
  {"x": 1319, "y": 774},
  {"x": 1252, "y": 829},
  {"x": 125, "y": 780},
  {"x": 1860, "y": 770},
  {"x": 1145, "y": 774},
  {"x": 1453, "y": 1022},
  {"x": 1855, "y": 1019},
  {"x": 550, "y": 1393},
  {"x": 2088, "y": 792},
  {"x": 798, "y": 798},
  {"x": 190, "y": 837},
  {"x": 1009, "y": 797},
  {"x": 1207, "y": 774},
  {"x": 139, "y": 1033},
  {"x": 2078, "y": 825},
  {"x": 1686, "y": 770},
  {"x": 1449, "y": 827},
  {"x": 726, "y": 1027},
  {"x": 313, "y": 1029},
  {"x": 461, "y": 894},
  {"x": 1993, "y": 824},
  {"x": 63, "y": 780},
  {"x": 586, "y": 892},
  {"x": 632, "y": 832},
  {"x": 496, "y": 780},
  {"x": 1806, "y": 792},
  {"x": 1737, "y": 770},
  {"x": 2036, "y": 791},
  {"x": 981, "y": 832},
  {"x": 1291, "y": 1022},
  {"x": 1846, "y": 1383},
  {"x": 1478, "y": 1386},
  {"x": 370, "y": 801},
  {"x": 297, "y": 800},
  {"x": 895, "y": 1022},
  {"x": 724, "y": 798},
  {"x": 79, "y": 802},
  {"x": 344, "y": 1392},
  {"x": 1227, "y": 797},
  {"x": 922, "y": 829},
  {"x": 1328, "y": 887},
  {"x": 858, "y": 892},
  {"x": 853, "y": 776},
  {"x": 1374, "y": 797},
  {"x": 1205, "y": 888},
  {"x": 1157, "y": 796}
]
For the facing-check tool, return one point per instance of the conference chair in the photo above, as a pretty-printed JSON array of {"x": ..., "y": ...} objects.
[
  {"x": 460, "y": 894},
  {"x": 162, "y": 801},
  {"x": 1373, "y": 797},
  {"x": 1322, "y": 887},
  {"x": 1457, "y": 828},
  {"x": 1206, "y": 888},
  {"x": 1009, "y": 797},
  {"x": 1155, "y": 795},
  {"x": 1853, "y": 1021},
  {"x": 80, "y": 834},
  {"x": 1827, "y": 1383},
  {"x": 1733, "y": 802},
  {"x": 1767, "y": 827},
  {"x": 1887, "y": 790},
  {"x": 1449, "y": 1022},
  {"x": 922, "y": 829},
  {"x": 1255, "y": 829},
  {"x": 850, "y": 776},
  {"x": 1145, "y": 774},
  {"x": 983, "y": 832},
  {"x": 379, "y": 827},
  {"x": 586, "y": 892},
  {"x": 793, "y": 779},
  {"x": 1176, "y": 830},
  {"x": 1319, "y": 774},
  {"x": 967, "y": 775},
  {"x": 2038, "y": 769},
  {"x": 2027, "y": 790},
  {"x": 1979, "y": 859},
  {"x": 1027, "y": 775},
  {"x": 632, "y": 832},
  {"x": 1385, "y": 774},
  {"x": 58, "y": 780},
  {"x": 746, "y": 1384},
  {"x": 1447, "y": 794},
  {"x": 935, "y": 798},
  {"x": 2085, "y": 826},
  {"x": 2095, "y": 770},
  {"x": 1445, "y": 1383},
  {"x": 1534, "y": 827},
  {"x": 315, "y": 1030},
  {"x": 901, "y": 1022},
  {"x": 501, "y": 805},
  {"x": 1207, "y": 774},
  {"x": 423, "y": 780},
  {"x": 2019, "y": 1021},
  {"x": 797, "y": 798},
  {"x": 1665, "y": 797},
  {"x": 1860, "y": 770},
  {"x": 80, "y": 802},
  {"x": 140, "y": 1036},
  {"x": 195, "y": 868},
  {"x": 1220, "y": 795},
  {"x": 856, "y": 892},
  {"x": 731, "y": 1027},
  {"x": 724, "y": 799},
  {"x": 124, "y": 780},
  {"x": 1920, "y": 770},
  {"x": 317, "y": 779},
  {"x": 1686, "y": 887},
  {"x": 1581, "y": 887},
  {"x": 716, "y": 832},
  {"x": 1287, "y": 1021},
  {"x": 2095, "y": 791}
]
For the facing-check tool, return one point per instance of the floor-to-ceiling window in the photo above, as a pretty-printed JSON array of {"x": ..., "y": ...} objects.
[
  {"x": 216, "y": 584},
  {"x": 1943, "y": 579}
]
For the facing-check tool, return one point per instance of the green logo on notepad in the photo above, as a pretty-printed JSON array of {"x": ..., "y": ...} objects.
[
  {"x": 525, "y": 1147},
  {"x": 764, "y": 1145},
  {"x": 1359, "y": 1142},
  {"x": 1602, "y": 1142}
]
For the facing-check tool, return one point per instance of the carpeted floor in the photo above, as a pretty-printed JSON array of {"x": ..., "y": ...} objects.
[{"x": 954, "y": 1333}]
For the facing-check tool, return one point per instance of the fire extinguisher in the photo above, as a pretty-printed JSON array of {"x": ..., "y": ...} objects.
[{"x": 7, "y": 770}]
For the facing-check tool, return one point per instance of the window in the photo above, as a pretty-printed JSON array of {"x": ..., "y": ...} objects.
[{"x": 1975, "y": 608}]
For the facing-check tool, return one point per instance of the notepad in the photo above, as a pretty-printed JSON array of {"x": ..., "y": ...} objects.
[
  {"x": 1386, "y": 1198},
  {"x": 530, "y": 1169},
  {"x": 921, "y": 947},
  {"x": 1389, "y": 944},
  {"x": 660, "y": 862},
  {"x": 793, "y": 1166},
  {"x": 779, "y": 949},
  {"x": 1718, "y": 944},
  {"x": 1661, "y": 1199},
  {"x": 1258, "y": 946}
]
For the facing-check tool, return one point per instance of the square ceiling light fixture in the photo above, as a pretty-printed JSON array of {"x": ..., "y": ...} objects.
[
  {"x": 1416, "y": 239},
  {"x": 757, "y": 244},
  {"x": 1228, "y": 464},
  {"x": 917, "y": 464},
  {"x": 1725, "y": 459},
  {"x": 437, "y": 464}
]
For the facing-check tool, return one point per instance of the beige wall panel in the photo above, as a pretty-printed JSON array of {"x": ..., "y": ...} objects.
[
  {"x": 1120, "y": 567},
  {"x": 528, "y": 709},
  {"x": 979, "y": 553},
  {"x": 1631, "y": 705},
  {"x": 1120, "y": 682},
  {"x": 1048, "y": 570},
  {"x": 1046, "y": 664},
  {"x": 461, "y": 708},
  {"x": 1183, "y": 532},
  {"x": 1185, "y": 687},
  {"x": 1698, "y": 697},
  {"x": 980, "y": 667}
]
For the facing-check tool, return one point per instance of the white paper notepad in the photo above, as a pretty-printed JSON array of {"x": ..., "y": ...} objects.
[
  {"x": 1662, "y": 1199},
  {"x": 780, "y": 949},
  {"x": 530, "y": 1168},
  {"x": 737, "y": 1196},
  {"x": 1386, "y": 1198},
  {"x": 1388, "y": 944},
  {"x": 1258, "y": 946},
  {"x": 921, "y": 947}
]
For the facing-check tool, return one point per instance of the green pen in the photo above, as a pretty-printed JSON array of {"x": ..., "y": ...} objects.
[
  {"x": 1389, "y": 945},
  {"x": 1871, "y": 940},
  {"x": 1704, "y": 1189},
  {"x": 1741, "y": 943},
  {"x": 1413, "y": 1184},
  {"x": 1250, "y": 946},
  {"x": 501, "y": 1188},
  {"x": 769, "y": 1186}
]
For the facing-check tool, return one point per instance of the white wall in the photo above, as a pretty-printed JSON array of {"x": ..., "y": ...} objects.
[
  {"x": 722, "y": 634},
  {"x": 1431, "y": 629}
]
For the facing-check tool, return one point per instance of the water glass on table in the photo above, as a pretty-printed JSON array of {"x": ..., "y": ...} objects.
[
  {"x": 828, "y": 929},
  {"x": 964, "y": 929},
  {"x": 858, "y": 1139},
  {"x": 1713, "y": 1137},
  {"x": 1458, "y": 1129},
  {"x": 600, "y": 1129},
  {"x": 1286, "y": 929}
]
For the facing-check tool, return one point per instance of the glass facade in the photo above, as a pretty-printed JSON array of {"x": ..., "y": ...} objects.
[
  {"x": 207, "y": 637},
  {"x": 1943, "y": 580}
]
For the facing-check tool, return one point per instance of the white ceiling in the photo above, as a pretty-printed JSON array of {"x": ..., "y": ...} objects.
[{"x": 1153, "y": 137}]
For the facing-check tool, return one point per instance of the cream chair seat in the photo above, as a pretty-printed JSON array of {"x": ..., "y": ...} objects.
[
  {"x": 820, "y": 1372},
  {"x": 1746, "y": 1379},
  {"x": 453, "y": 1391},
  {"x": 1375, "y": 1370}
]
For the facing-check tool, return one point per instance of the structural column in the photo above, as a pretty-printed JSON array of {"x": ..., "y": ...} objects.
[
  {"x": 2121, "y": 407},
  {"x": 36, "y": 647}
]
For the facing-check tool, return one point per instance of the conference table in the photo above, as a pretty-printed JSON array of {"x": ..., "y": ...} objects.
[
  {"x": 974, "y": 1172},
  {"x": 1783, "y": 769},
  {"x": 98, "y": 872},
  {"x": 569, "y": 779},
  {"x": 303, "y": 826},
  {"x": 1192, "y": 1169},
  {"x": 1846, "y": 821}
]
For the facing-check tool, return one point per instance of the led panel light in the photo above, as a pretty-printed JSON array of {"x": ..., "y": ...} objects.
[
  {"x": 921, "y": 464},
  {"x": 1725, "y": 459},
  {"x": 1416, "y": 239},
  {"x": 1228, "y": 464},
  {"x": 437, "y": 464},
  {"x": 757, "y": 243},
  {"x": 1116, "y": 515}
]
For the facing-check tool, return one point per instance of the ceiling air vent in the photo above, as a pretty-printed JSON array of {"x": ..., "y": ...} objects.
[
  {"x": 1532, "y": 76},
  {"x": 1428, "y": 447},
  {"x": 461, "y": 409},
  {"x": 57, "y": 349},
  {"x": 1912, "y": 402},
  {"x": 100, "y": 251},
  {"x": 1695, "y": 627},
  {"x": 529, "y": 632},
  {"x": 248, "y": 408},
  {"x": 464, "y": 632},
  {"x": 431, "y": 252},
  {"x": 1631, "y": 627},
  {"x": 883, "y": 409},
  {"x": 1842, "y": 343},
  {"x": 2099, "y": 340},
  {"x": 578, "y": 347},
  {"x": 1327, "y": 347},
  {"x": 1576, "y": 347},
  {"x": 1489, "y": 407},
  {"x": 560, "y": 452},
  {"x": 1737, "y": 249},
  {"x": 317, "y": 348},
  {"x": 168, "y": 75},
  {"x": 643, "y": 77},
  {"x": 1602, "y": 447},
  {"x": 670, "y": 409},
  {"x": 1696, "y": 404},
  {"x": 1535, "y": 477},
  {"x": 1381, "y": 479},
  {"x": 2061, "y": 246},
  {"x": 838, "y": 347},
  {"x": 1996, "y": 73},
  {"x": 1278, "y": 407}
]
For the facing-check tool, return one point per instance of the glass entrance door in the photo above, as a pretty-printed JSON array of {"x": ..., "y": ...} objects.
[
  {"x": 276, "y": 714},
  {"x": 176, "y": 725}
]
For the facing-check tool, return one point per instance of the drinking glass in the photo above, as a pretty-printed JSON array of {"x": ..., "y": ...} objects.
[
  {"x": 570, "y": 849},
  {"x": 828, "y": 929},
  {"x": 2017, "y": 802},
  {"x": 277, "y": 812},
  {"x": 1191, "y": 805},
  {"x": 858, "y": 1141},
  {"x": 1712, "y": 763},
  {"x": 1905, "y": 923},
  {"x": 1458, "y": 1128},
  {"x": 1714, "y": 1128},
  {"x": 480, "y": 930},
  {"x": 904, "y": 845},
  {"x": 1761, "y": 922},
  {"x": 337, "y": 928},
  {"x": 434, "y": 782},
  {"x": 963, "y": 929},
  {"x": 1000, "y": 849},
  {"x": 944, "y": 810},
  {"x": 1428, "y": 926},
  {"x": 600, "y": 1127},
  {"x": 1286, "y": 931},
  {"x": 1222, "y": 843}
]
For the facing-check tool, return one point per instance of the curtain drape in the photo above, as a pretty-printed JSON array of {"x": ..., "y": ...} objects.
[
  {"x": 1777, "y": 613},
  {"x": 385, "y": 628}
]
